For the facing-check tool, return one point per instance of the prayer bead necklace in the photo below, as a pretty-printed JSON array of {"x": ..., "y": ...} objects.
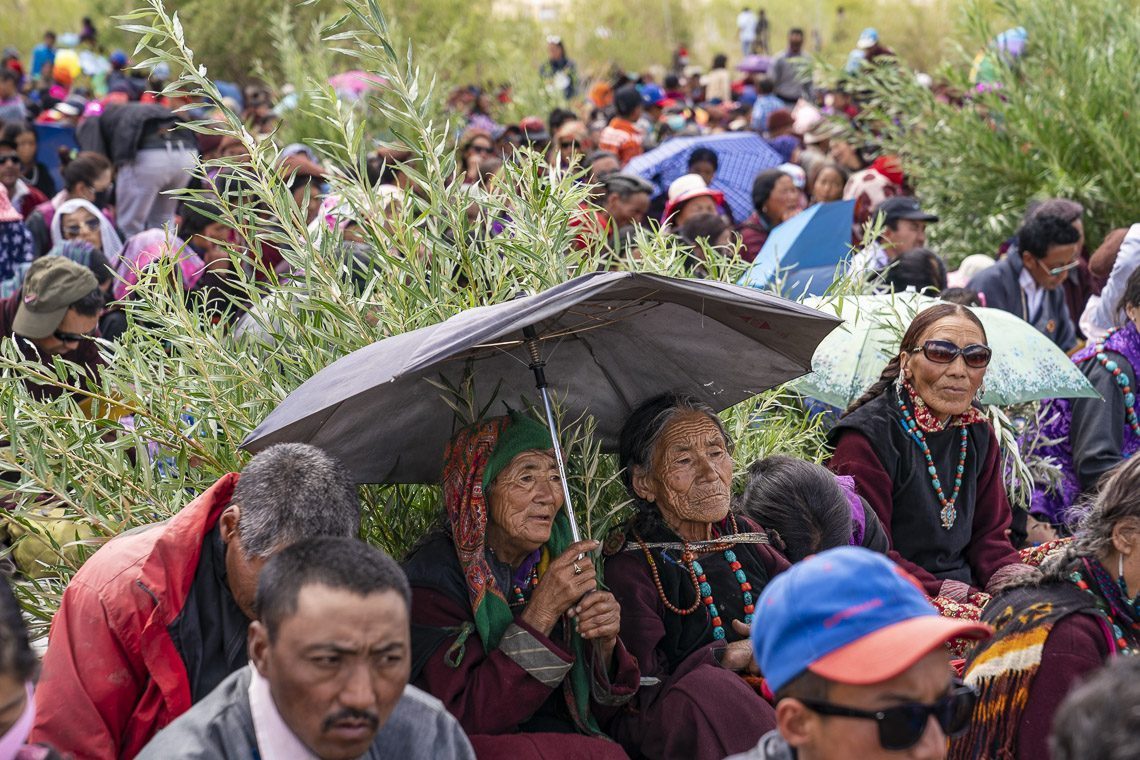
[
  {"x": 530, "y": 582},
  {"x": 1122, "y": 380},
  {"x": 949, "y": 513},
  {"x": 702, "y": 586}
]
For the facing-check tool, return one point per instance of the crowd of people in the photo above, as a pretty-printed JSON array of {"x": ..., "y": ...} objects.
[{"x": 889, "y": 602}]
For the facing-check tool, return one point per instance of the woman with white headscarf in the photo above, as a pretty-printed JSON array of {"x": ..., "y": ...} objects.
[{"x": 78, "y": 219}]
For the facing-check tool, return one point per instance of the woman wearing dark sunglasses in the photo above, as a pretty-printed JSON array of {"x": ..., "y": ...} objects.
[
  {"x": 1053, "y": 634},
  {"x": 926, "y": 459}
]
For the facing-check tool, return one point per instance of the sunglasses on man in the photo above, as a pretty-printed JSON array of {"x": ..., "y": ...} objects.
[
  {"x": 9, "y": 158},
  {"x": 69, "y": 337},
  {"x": 903, "y": 726},
  {"x": 975, "y": 355},
  {"x": 72, "y": 230}
]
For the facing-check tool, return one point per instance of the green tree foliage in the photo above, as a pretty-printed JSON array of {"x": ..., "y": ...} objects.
[
  {"x": 180, "y": 394},
  {"x": 1063, "y": 123}
]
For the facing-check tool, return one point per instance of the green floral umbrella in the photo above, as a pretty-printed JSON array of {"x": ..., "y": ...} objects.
[{"x": 1026, "y": 365}]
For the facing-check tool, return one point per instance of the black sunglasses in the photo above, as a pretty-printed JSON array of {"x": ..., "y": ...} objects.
[
  {"x": 67, "y": 337},
  {"x": 482, "y": 149},
  {"x": 975, "y": 355},
  {"x": 72, "y": 230},
  {"x": 903, "y": 727},
  {"x": 9, "y": 158}
]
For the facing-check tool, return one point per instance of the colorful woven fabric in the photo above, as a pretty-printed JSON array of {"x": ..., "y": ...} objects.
[
  {"x": 928, "y": 423},
  {"x": 468, "y": 514}
]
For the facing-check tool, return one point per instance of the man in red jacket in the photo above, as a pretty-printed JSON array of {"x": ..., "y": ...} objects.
[{"x": 157, "y": 618}]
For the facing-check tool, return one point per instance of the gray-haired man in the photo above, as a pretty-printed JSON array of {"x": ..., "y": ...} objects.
[{"x": 158, "y": 617}]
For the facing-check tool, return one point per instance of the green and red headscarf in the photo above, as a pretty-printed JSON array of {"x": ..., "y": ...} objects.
[{"x": 474, "y": 458}]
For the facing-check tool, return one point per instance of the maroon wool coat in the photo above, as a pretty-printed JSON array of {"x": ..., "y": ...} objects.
[
  {"x": 698, "y": 710},
  {"x": 491, "y": 695}
]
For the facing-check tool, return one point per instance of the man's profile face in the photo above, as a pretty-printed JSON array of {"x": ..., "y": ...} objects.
[
  {"x": 337, "y": 667},
  {"x": 908, "y": 235},
  {"x": 73, "y": 324}
]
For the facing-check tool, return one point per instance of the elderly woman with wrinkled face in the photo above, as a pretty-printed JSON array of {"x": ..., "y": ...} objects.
[
  {"x": 509, "y": 626},
  {"x": 687, "y": 587}
]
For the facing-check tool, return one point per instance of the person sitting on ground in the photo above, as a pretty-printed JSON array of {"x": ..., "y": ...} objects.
[
  {"x": 511, "y": 631},
  {"x": 689, "y": 197},
  {"x": 711, "y": 231},
  {"x": 809, "y": 508},
  {"x": 330, "y": 652},
  {"x": 919, "y": 269},
  {"x": 825, "y": 181},
  {"x": 78, "y": 219},
  {"x": 87, "y": 176},
  {"x": 857, "y": 660},
  {"x": 18, "y": 666},
  {"x": 928, "y": 462},
  {"x": 687, "y": 589},
  {"x": 1054, "y": 633},
  {"x": 622, "y": 136},
  {"x": 904, "y": 229},
  {"x": 157, "y": 618},
  {"x": 55, "y": 313},
  {"x": 1028, "y": 284},
  {"x": 1101, "y": 718},
  {"x": 1092, "y": 436},
  {"x": 775, "y": 199},
  {"x": 23, "y": 197}
]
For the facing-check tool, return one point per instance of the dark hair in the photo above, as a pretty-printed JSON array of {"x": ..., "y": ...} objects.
[
  {"x": 7, "y": 75},
  {"x": 346, "y": 564},
  {"x": 963, "y": 296},
  {"x": 801, "y": 501},
  {"x": 13, "y": 129},
  {"x": 720, "y": 60},
  {"x": 1043, "y": 232},
  {"x": 84, "y": 167},
  {"x": 922, "y": 322},
  {"x": 643, "y": 428},
  {"x": 196, "y": 217},
  {"x": 818, "y": 167},
  {"x": 1131, "y": 295},
  {"x": 627, "y": 100},
  {"x": 672, "y": 81},
  {"x": 1100, "y": 718},
  {"x": 16, "y": 656},
  {"x": 704, "y": 155},
  {"x": 919, "y": 268},
  {"x": 806, "y": 685},
  {"x": 765, "y": 86},
  {"x": 796, "y": 30},
  {"x": 91, "y": 304},
  {"x": 558, "y": 117},
  {"x": 291, "y": 492},
  {"x": 763, "y": 186},
  {"x": 703, "y": 227}
]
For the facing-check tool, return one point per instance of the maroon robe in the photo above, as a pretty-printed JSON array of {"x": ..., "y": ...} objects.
[
  {"x": 506, "y": 711},
  {"x": 697, "y": 710}
]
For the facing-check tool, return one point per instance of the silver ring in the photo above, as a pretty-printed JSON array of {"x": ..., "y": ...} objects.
[{"x": 577, "y": 570}]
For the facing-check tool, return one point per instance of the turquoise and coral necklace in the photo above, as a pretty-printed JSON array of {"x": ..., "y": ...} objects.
[
  {"x": 1122, "y": 380},
  {"x": 949, "y": 513}
]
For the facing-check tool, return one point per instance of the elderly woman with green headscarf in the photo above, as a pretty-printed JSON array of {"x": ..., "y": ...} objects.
[{"x": 509, "y": 627}]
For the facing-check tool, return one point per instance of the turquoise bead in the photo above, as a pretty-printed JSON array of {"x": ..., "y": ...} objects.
[
  {"x": 706, "y": 590},
  {"x": 718, "y": 633},
  {"x": 931, "y": 470},
  {"x": 1110, "y": 365},
  {"x": 1130, "y": 399},
  {"x": 740, "y": 576}
]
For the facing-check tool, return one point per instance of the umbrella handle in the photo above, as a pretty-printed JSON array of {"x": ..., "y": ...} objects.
[{"x": 536, "y": 366}]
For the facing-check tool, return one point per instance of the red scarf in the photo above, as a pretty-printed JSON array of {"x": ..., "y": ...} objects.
[{"x": 929, "y": 423}]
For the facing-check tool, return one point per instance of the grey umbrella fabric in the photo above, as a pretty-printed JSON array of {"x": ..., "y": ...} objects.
[{"x": 610, "y": 341}]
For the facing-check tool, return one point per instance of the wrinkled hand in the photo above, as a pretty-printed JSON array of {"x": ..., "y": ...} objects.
[
  {"x": 599, "y": 620},
  {"x": 560, "y": 588},
  {"x": 738, "y": 655}
]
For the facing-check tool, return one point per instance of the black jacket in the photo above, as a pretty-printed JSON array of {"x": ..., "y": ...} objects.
[
  {"x": 119, "y": 131},
  {"x": 1002, "y": 289}
]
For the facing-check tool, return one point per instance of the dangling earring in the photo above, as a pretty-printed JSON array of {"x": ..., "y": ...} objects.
[
  {"x": 981, "y": 392},
  {"x": 1120, "y": 576},
  {"x": 899, "y": 384}
]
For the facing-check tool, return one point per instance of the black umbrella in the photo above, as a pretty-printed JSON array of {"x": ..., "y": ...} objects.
[{"x": 601, "y": 343}]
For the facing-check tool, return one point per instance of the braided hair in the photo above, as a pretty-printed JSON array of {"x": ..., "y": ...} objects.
[{"x": 922, "y": 322}]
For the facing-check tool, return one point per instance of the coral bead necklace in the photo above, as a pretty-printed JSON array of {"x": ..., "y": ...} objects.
[
  {"x": 701, "y": 585},
  {"x": 949, "y": 513}
]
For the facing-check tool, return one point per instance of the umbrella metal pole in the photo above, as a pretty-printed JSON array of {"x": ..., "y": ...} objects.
[{"x": 537, "y": 366}]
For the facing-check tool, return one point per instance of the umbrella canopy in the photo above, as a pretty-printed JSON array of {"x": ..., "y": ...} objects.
[
  {"x": 610, "y": 341},
  {"x": 806, "y": 249},
  {"x": 754, "y": 64},
  {"x": 741, "y": 156},
  {"x": 1026, "y": 366}
]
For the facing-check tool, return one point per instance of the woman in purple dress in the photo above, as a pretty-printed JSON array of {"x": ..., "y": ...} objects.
[{"x": 1090, "y": 436}]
